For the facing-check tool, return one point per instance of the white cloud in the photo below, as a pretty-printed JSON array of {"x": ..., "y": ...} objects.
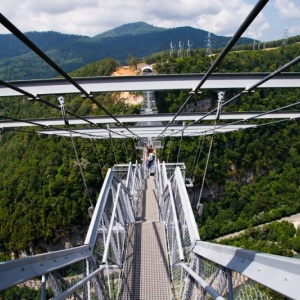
[
  {"x": 287, "y": 9},
  {"x": 91, "y": 17}
]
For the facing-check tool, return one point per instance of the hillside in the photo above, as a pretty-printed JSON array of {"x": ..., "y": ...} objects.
[
  {"x": 130, "y": 29},
  {"x": 251, "y": 179},
  {"x": 72, "y": 51}
]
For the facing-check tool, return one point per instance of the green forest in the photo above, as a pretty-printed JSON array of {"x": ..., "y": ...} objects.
[
  {"x": 252, "y": 174},
  {"x": 278, "y": 238}
]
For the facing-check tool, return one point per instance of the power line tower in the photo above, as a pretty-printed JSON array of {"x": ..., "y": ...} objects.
[
  {"x": 254, "y": 44},
  {"x": 208, "y": 44},
  {"x": 264, "y": 44},
  {"x": 181, "y": 45},
  {"x": 172, "y": 50},
  {"x": 189, "y": 46},
  {"x": 286, "y": 36}
]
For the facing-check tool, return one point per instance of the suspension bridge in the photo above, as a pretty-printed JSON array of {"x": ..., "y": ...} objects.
[{"x": 143, "y": 240}]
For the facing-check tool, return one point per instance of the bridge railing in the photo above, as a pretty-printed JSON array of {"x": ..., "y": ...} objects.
[
  {"x": 204, "y": 270},
  {"x": 92, "y": 270},
  {"x": 176, "y": 212}
]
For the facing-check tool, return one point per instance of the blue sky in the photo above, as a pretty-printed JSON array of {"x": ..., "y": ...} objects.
[{"x": 91, "y": 17}]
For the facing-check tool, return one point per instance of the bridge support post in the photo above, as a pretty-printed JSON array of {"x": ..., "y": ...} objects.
[
  {"x": 43, "y": 286},
  {"x": 87, "y": 265},
  {"x": 230, "y": 287}
]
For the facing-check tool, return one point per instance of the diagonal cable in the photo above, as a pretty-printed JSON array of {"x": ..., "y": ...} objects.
[
  {"x": 13, "y": 29},
  {"x": 31, "y": 96},
  {"x": 252, "y": 15},
  {"x": 246, "y": 90}
]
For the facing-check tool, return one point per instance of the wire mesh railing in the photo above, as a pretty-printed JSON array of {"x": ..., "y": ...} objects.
[
  {"x": 91, "y": 271},
  {"x": 216, "y": 281},
  {"x": 198, "y": 270},
  {"x": 203, "y": 270},
  {"x": 175, "y": 212}
]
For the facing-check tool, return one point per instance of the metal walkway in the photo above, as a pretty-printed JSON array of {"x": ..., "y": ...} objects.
[
  {"x": 146, "y": 272},
  {"x": 143, "y": 244}
]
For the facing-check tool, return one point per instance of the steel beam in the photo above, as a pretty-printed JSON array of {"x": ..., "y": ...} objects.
[
  {"x": 150, "y": 83},
  {"x": 186, "y": 206},
  {"x": 153, "y": 118},
  {"x": 279, "y": 273},
  {"x": 213, "y": 293},
  {"x": 97, "y": 215},
  {"x": 146, "y": 132},
  {"x": 17, "y": 271}
]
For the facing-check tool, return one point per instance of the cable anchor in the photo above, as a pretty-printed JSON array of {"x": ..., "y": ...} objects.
[
  {"x": 61, "y": 100},
  {"x": 221, "y": 96}
]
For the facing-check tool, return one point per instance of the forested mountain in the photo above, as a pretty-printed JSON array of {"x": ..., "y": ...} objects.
[
  {"x": 131, "y": 29},
  {"x": 252, "y": 174},
  {"x": 72, "y": 51}
]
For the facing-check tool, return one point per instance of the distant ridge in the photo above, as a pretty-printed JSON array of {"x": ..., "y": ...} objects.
[
  {"x": 72, "y": 52},
  {"x": 130, "y": 29}
]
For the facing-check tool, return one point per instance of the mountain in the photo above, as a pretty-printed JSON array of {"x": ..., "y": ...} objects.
[
  {"x": 71, "y": 52},
  {"x": 130, "y": 29}
]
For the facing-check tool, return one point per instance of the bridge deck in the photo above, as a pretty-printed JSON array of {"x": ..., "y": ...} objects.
[{"x": 146, "y": 274}]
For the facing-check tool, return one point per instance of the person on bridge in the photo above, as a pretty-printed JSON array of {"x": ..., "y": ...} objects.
[{"x": 150, "y": 159}]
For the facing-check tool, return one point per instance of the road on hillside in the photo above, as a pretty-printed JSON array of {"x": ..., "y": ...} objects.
[{"x": 295, "y": 219}]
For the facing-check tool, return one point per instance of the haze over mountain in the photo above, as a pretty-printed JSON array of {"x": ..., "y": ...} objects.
[{"x": 74, "y": 51}]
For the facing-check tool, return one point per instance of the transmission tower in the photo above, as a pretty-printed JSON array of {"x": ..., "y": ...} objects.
[
  {"x": 208, "y": 45},
  {"x": 286, "y": 36},
  {"x": 180, "y": 49},
  {"x": 254, "y": 44},
  {"x": 188, "y": 50},
  {"x": 172, "y": 50}
]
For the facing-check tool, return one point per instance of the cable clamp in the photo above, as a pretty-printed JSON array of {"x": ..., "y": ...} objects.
[
  {"x": 33, "y": 98},
  {"x": 193, "y": 92},
  {"x": 221, "y": 96},
  {"x": 61, "y": 100}
]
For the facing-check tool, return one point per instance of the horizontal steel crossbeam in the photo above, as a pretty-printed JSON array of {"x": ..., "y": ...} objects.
[
  {"x": 145, "y": 132},
  {"x": 153, "y": 118},
  {"x": 16, "y": 271},
  {"x": 150, "y": 83},
  {"x": 279, "y": 273}
]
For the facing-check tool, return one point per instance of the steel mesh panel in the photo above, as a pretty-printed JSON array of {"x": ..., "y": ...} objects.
[
  {"x": 184, "y": 231},
  {"x": 174, "y": 258},
  {"x": 62, "y": 279},
  {"x": 30, "y": 289},
  {"x": 219, "y": 278}
]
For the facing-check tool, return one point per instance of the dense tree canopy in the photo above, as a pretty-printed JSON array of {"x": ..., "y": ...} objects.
[{"x": 252, "y": 174}]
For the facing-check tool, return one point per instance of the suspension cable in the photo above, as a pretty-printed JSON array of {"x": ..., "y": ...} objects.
[
  {"x": 180, "y": 143},
  {"x": 219, "y": 110},
  {"x": 96, "y": 152},
  {"x": 14, "y": 30},
  {"x": 259, "y": 115},
  {"x": 247, "y": 90},
  {"x": 39, "y": 99},
  {"x": 198, "y": 154},
  {"x": 169, "y": 145},
  {"x": 252, "y": 15},
  {"x": 60, "y": 108},
  {"x": 206, "y": 165},
  {"x": 125, "y": 147},
  {"x": 162, "y": 152},
  {"x": 81, "y": 171},
  {"x": 112, "y": 145}
]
